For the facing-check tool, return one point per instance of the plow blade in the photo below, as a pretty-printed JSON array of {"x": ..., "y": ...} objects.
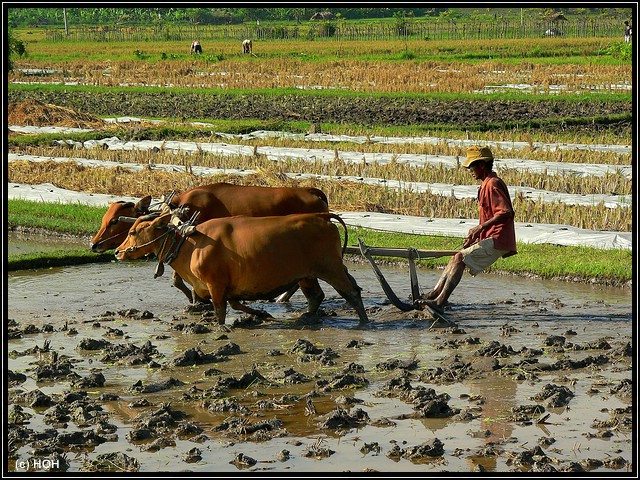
[
  {"x": 411, "y": 254},
  {"x": 393, "y": 298}
]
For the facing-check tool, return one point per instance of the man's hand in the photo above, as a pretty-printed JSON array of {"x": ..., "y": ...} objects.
[{"x": 472, "y": 236}]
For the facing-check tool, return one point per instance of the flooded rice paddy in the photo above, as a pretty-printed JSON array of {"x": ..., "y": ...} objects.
[{"x": 535, "y": 376}]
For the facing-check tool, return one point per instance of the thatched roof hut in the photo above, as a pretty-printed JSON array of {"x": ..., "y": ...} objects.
[{"x": 323, "y": 16}]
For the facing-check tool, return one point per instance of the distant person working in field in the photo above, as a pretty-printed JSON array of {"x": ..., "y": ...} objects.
[
  {"x": 493, "y": 238},
  {"x": 196, "y": 47},
  {"x": 628, "y": 31},
  {"x": 247, "y": 46}
]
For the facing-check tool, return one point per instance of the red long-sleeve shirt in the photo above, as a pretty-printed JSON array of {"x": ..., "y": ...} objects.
[{"x": 494, "y": 198}]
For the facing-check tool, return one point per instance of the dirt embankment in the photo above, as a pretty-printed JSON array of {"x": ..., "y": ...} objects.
[
  {"x": 34, "y": 112},
  {"x": 358, "y": 110}
]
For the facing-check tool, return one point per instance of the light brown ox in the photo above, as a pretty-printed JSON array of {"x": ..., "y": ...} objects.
[
  {"x": 251, "y": 258},
  {"x": 212, "y": 201}
]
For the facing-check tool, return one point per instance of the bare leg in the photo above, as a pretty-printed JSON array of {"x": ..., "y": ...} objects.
[
  {"x": 433, "y": 293},
  {"x": 456, "y": 269}
]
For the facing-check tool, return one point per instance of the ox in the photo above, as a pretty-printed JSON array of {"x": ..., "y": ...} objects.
[
  {"x": 247, "y": 46},
  {"x": 250, "y": 258},
  {"x": 212, "y": 201}
]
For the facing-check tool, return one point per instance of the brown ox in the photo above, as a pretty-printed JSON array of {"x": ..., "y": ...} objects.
[
  {"x": 212, "y": 201},
  {"x": 250, "y": 258}
]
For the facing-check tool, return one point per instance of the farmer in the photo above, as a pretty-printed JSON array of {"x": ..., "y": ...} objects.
[
  {"x": 628, "y": 31},
  {"x": 493, "y": 238},
  {"x": 196, "y": 47},
  {"x": 247, "y": 46}
]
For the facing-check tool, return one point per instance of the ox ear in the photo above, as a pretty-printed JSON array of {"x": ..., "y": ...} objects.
[
  {"x": 124, "y": 219},
  {"x": 143, "y": 204},
  {"x": 162, "y": 219}
]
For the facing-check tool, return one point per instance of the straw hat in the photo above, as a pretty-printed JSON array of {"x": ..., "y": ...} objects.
[{"x": 475, "y": 153}]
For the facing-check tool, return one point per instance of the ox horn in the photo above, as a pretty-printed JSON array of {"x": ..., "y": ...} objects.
[
  {"x": 124, "y": 219},
  {"x": 150, "y": 216}
]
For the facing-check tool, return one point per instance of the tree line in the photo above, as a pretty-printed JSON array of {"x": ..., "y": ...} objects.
[{"x": 54, "y": 17}]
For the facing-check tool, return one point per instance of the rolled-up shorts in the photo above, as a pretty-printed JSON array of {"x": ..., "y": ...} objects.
[{"x": 480, "y": 255}]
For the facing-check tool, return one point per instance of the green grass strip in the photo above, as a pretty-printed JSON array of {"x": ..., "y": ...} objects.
[
  {"x": 55, "y": 258},
  {"x": 67, "y": 218}
]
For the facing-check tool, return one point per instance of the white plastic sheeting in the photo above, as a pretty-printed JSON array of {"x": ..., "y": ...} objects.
[
  {"x": 525, "y": 232},
  {"x": 325, "y": 137},
  {"x": 328, "y": 155},
  {"x": 458, "y": 191},
  {"x": 47, "y": 192},
  {"x": 32, "y": 130}
]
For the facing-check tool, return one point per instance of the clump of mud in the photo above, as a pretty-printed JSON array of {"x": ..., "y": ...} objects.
[{"x": 36, "y": 113}]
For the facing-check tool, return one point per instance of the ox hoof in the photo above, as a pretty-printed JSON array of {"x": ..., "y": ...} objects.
[
  {"x": 198, "y": 307},
  {"x": 309, "y": 319},
  {"x": 248, "y": 321}
]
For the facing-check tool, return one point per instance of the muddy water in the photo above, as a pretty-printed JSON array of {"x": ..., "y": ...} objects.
[
  {"x": 26, "y": 242},
  {"x": 515, "y": 312}
]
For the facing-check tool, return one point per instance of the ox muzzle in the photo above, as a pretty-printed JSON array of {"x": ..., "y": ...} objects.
[{"x": 98, "y": 246}]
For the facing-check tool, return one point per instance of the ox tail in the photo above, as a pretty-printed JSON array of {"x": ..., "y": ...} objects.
[
  {"x": 320, "y": 194},
  {"x": 328, "y": 216}
]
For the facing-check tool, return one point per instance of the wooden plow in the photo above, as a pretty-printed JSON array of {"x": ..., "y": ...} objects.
[{"x": 411, "y": 254}]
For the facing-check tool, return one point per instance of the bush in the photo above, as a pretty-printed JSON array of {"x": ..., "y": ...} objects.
[
  {"x": 16, "y": 47},
  {"x": 326, "y": 29},
  {"x": 620, "y": 50}
]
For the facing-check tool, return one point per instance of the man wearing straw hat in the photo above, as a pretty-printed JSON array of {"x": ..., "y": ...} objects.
[{"x": 493, "y": 238}]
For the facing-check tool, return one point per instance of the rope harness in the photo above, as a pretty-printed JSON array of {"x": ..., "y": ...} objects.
[
  {"x": 160, "y": 203},
  {"x": 176, "y": 229},
  {"x": 133, "y": 248},
  {"x": 109, "y": 238}
]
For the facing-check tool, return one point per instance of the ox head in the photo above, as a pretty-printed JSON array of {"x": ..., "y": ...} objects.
[
  {"x": 144, "y": 237},
  {"x": 116, "y": 223}
]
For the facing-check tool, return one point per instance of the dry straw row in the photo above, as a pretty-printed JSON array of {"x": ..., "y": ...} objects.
[
  {"x": 352, "y": 75},
  {"x": 611, "y": 183}
]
